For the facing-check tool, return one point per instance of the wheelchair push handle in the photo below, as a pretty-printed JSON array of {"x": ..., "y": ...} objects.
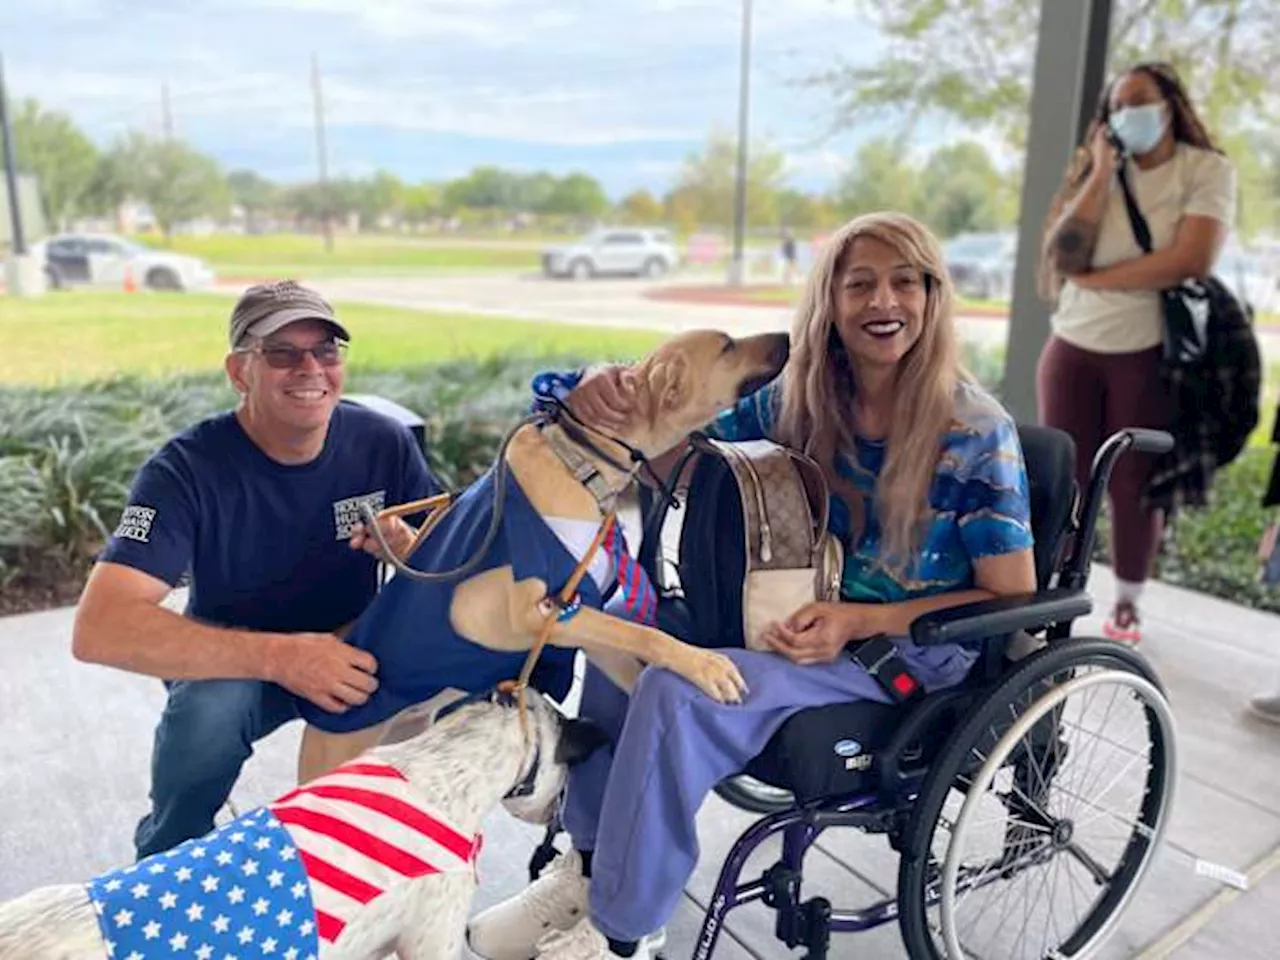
[
  {"x": 1149, "y": 441},
  {"x": 1127, "y": 440}
]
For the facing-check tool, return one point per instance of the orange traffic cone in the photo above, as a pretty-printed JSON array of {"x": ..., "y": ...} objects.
[{"x": 130, "y": 285}]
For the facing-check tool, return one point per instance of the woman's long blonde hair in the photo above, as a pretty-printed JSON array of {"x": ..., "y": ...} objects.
[{"x": 818, "y": 385}]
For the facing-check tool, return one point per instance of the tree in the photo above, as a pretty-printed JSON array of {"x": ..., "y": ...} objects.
[
  {"x": 800, "y": 211},
  {"x": 253, "y": 192},
  {"x": 483, "y": 188},
  {"x": 177, "y": 182},
  {"x": 641, "y": 207},
  {"x": 422, "y": 202},
  {"x": 972, "y": 61},
  {"x": 381, "y": 194},
  {"x": 576, "y": 195},
  {"x": 960, "y": 190},
  {"x": 108, "y": 186},
  {"x": 708, "y": 179},
  {"x": 881, "y": 178},
  {"x": 50, "y": 146}
]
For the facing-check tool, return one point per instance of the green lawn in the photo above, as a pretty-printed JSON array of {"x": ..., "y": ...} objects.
[
  {"x": 275, "y": 255},
  {"x": 75, "y": 337}
]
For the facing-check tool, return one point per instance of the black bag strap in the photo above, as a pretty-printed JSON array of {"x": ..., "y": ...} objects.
[{"x": 1141, "y": 232}]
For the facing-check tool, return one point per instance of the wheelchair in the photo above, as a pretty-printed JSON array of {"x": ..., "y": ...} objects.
[{"x": 1025, "y": 804}]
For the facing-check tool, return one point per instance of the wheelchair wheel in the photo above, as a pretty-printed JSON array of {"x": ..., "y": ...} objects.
[
  {"x": 1042, "y": 813},
  {"x": 754, "y": 796}
]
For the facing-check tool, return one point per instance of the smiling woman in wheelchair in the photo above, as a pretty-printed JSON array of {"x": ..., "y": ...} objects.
[{"x": 931, "y": 499}]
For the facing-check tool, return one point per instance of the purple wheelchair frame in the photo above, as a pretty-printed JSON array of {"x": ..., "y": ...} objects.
[{"x": 811, "y": 923}]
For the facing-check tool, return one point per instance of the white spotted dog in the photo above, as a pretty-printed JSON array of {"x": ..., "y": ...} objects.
[{"x": 375, "y": 856}]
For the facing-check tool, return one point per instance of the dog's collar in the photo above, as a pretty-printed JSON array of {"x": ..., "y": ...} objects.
[
  {"x": 586, "y": 472},
  {"x": 525, "y": 787}
]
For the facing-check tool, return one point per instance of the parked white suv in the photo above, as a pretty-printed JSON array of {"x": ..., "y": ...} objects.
[
  {"x": 615, "y": 251},
  {"x": 104, "y": 260}
]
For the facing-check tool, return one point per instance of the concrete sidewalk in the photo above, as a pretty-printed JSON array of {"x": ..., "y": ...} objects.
[{"x": 75, "y": 742}]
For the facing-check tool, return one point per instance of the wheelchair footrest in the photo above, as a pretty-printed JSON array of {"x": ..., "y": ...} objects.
[{"x": 805, "y": 924}]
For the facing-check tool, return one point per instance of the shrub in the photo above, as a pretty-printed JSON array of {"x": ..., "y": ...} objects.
[{"x": 67, "y": 458}]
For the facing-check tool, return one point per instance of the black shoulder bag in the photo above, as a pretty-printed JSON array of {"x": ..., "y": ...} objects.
[{"x": 1191, "y": 306}]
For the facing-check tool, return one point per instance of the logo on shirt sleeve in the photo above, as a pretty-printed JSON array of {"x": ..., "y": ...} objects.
[
  {"x": 135, "y": 524},
  {"x": 346, "y": 513}
]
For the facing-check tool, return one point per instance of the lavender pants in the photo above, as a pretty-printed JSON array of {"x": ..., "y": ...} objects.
[{"x": 634, "y": 804}]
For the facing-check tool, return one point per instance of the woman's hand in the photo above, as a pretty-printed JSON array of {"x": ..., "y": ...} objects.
[
  {"x": 1102, "y": 150},
  {"x": 605, "y": 397},
  {"x": 817, "y": 632}
]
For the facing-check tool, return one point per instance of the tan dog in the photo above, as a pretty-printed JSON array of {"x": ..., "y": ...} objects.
[{"x": 680, "y": 387}]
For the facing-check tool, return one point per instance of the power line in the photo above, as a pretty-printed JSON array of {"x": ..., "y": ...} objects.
[
  {"x": 322, "y": 153},
  {"x": 166, "y": 112},
  {"x": 737, "y": 268},
  {"x": 11, "y": 171}
]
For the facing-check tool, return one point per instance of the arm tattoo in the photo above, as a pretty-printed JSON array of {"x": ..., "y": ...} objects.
[{"x": 1073, "y": 246}]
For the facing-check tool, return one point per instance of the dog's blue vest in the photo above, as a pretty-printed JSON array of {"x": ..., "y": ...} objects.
[{"x": 407, "y": 627}]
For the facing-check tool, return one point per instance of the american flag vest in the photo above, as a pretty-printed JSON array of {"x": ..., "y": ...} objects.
[{"x": 283, "y": 880}]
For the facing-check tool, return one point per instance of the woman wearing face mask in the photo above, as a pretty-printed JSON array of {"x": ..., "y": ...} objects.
[{"x": 1100, "y": 370}]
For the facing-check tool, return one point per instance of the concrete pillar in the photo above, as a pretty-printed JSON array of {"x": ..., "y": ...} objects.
[{"x": 1070, "y": 69}]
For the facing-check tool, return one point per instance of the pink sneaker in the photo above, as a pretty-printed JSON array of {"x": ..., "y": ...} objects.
[{"x": 1123, "y": 625}]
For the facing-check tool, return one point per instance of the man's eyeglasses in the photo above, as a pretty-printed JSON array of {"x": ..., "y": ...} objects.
[{"x": 285, "y": 356}]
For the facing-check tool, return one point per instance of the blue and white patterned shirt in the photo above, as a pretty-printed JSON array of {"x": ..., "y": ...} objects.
[{"x": 980, "y": 496}]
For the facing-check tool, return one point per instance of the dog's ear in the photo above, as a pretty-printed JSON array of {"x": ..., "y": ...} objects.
[
  {"x": 668, "y": 383},
  {"x": 578, "y": 740}
]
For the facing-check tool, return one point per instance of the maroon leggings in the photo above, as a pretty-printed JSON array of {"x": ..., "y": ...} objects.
[{"x": 1091, "y": 396}]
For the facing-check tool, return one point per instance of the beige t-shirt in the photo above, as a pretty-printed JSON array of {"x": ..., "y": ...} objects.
[{"x": 1193, "y": 181}]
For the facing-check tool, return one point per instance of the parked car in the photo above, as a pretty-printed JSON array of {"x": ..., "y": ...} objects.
[
  {"x": 630, "y": 252},
  {"x": 106, "y": 260},
  {"x": 1253, "y": 274},
  {"x": 982, "y": 264}
]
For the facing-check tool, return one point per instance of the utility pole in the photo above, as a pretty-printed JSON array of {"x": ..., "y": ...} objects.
[
  {"x": 321, "y": 154},
  {"x": 166, "y": 112},
  {"x": 737, "y": 269},
  {"x": 11, "y": 170}
]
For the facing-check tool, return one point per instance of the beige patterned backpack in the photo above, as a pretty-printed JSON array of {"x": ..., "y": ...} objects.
[{"x": 754, "y": 544}]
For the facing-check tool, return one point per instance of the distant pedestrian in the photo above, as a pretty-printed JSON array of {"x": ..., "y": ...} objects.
[{"x": 788, "y": 258}]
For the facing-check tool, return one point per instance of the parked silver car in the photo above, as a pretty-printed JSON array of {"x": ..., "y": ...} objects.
[
  {"x": 106, "y": 260},
  {"x": 640, "y": 252},
  {"x": 982, "y": 264}
]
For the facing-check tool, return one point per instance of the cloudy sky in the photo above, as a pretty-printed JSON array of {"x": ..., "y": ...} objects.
[{"x": 623, "y": 89}]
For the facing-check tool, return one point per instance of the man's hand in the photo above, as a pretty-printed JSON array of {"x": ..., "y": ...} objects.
[
  {"x": 398, "y": 534},
  {"x": 817, "y": 632},
  {"x": 318, "y": 666},
  {"x": 605, "y": 397}
]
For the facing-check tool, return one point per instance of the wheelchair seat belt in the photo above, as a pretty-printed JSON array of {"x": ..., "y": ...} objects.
[{"x": 879, "y": 657}]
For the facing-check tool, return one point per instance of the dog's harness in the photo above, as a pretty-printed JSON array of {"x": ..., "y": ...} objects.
[{"x": 567, "y": 436}]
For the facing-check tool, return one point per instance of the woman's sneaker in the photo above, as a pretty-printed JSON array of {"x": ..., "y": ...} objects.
[
  {"x": 555, "y": 901},
  {"x": 1123, "y": 624},
  {"x": 585, "y": 942}
]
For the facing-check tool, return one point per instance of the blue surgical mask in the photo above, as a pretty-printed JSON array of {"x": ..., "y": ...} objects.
[{"x": 1139, "y": 129}]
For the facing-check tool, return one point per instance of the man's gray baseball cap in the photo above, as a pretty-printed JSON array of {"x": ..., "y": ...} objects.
[{"x": 267, "y": 307}]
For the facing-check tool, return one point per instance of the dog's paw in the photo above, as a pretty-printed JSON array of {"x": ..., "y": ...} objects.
[{"x": 718, "y": 677}]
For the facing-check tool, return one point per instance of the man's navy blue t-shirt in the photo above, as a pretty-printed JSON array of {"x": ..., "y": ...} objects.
[{"x": 266, "y": 544}]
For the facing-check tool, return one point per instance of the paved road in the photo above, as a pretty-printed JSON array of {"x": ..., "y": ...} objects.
[{"x": 610, "y": 303}]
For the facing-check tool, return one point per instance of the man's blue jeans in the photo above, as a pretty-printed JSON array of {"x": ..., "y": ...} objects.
[{"x": 204, "y": 736}]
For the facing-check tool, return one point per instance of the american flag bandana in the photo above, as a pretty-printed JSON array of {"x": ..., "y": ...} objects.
[
  {"x": 636, "y": 599},
  {"x": 281, "y": 881}
]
